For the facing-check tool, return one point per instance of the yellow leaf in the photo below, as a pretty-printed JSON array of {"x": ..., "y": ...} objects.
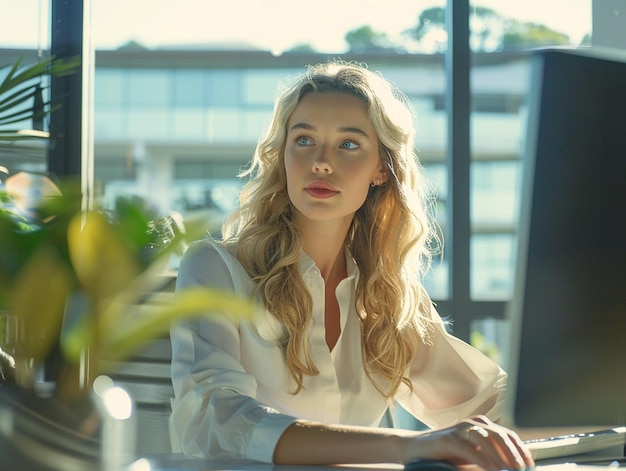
[
  {"x": 38, "y": 301},
  {"x": 103, "y": 264},
  {"x": 122, "y": 341}
]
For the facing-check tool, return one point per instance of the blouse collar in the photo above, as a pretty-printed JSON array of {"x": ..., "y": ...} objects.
[{"x": 306, "y": 264}]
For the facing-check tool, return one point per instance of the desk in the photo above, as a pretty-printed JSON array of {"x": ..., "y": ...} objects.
[
  {"x": 591, "y": 461},
  {"x": 178, "y": 462},
  {"x": 580, "y": 444}
]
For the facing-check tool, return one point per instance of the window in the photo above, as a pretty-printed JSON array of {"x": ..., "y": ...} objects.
[
  {"x": 24, "y": 34},
  {"x": 213, "y": 101},
  {"x": 500, "y": 33}
]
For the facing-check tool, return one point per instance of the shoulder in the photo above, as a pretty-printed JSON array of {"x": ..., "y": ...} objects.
[
  {"x": 207, "y": 262},
  {"x": 206, "y": 249}
]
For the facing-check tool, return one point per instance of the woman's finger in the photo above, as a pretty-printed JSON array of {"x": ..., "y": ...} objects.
[{"x": 500, "y": 447}]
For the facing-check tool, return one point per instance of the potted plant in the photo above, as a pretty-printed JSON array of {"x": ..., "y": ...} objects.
[{"x": 68, "y": 276}]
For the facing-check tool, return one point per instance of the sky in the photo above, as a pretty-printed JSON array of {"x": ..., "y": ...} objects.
[{"x": 269, "y": 24}]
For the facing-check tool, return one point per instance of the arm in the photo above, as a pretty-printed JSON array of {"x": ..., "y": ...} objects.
[
  {"x": 475, "y": 441},
  {"x": 214, "y": 412},
  {"x": 452, "y": 381}
]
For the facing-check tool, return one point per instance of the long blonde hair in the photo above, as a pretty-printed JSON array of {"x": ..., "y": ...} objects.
[{"x": 389, "y": 238}]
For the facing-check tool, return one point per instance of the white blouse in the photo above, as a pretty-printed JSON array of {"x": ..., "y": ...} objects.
[{"x": 233, "y": 393}]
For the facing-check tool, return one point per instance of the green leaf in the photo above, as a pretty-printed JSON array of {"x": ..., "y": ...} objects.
[
  {"x": 18, "y": 89},
  {"x": 119, "y": 343},
  {"x": 49, "y": 66},
  {"x": 38, "y": 299}
]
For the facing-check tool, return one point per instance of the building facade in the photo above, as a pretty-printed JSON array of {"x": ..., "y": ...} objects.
[{"x": 175, "y": 127}]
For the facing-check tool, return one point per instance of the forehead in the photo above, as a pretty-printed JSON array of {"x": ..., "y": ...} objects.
[{"x": 331, "y": 106}]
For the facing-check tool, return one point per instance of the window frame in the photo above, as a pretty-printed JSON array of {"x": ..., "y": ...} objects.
[{"x": 72, "y": 153}]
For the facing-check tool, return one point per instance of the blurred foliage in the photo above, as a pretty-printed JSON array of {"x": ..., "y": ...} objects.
[
  {"x": 366, "y": 39},
  {"x": 489, "y": 31},
  {"x": 490, "y": 349},
  {"x": 21, "y": 95},
  {"x": 70, "y": 276}
]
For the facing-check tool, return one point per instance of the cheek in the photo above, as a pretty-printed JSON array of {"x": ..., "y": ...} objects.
[
  {"x": 360, "y": 182},
  {"x": 363, "y": 192},
  {"x": 289, "y": 166},
  {"x": 287, "y": 160},
  {"x": 296, "y": 165},
  {"x": 290, "y": 159},
  {"x": 291, "y": 171}
]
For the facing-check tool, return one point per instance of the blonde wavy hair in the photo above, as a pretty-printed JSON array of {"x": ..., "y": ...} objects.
[{"x": 389, "y": 237}]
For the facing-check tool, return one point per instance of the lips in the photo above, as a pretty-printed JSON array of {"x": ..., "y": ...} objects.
[{"x": 321, "y": 189}]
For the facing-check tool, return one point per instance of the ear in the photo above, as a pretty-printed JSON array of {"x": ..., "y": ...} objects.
[{"x": 380, "y": 175}]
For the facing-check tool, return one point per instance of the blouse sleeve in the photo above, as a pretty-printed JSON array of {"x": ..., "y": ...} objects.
[
  {"x": 214, "y": 411},
  {"x": 453, "y": 381}
]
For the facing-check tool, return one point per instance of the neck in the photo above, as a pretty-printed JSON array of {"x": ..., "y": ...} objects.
[
  {"x": 325, "y": 245},
  {"x": 332, "y": 265}
]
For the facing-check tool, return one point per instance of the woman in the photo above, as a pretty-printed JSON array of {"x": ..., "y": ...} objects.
[{"x": 332, "y": 238}]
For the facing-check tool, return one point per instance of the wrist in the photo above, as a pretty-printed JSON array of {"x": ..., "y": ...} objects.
[{"x": 401, "y": 447}]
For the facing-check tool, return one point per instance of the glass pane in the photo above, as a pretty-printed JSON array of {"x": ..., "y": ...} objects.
[
  {"x": 224, "y": 88},
  {"x": 188, "y": 125},
  {"x": 185, "y": 105},
  {"x": 436, "y": 283},
  {"x": 148, "y": 123},
  {"x": 492, "y": 262},
  {"x": 185, "y": 87},
  {"x": 24, "y": 35},
  {"x": 491, "y": 336},
  {"x": 502, "y": 33},
  {"x": 148, "y": 87},
  {"x": 110, "y": 87}
]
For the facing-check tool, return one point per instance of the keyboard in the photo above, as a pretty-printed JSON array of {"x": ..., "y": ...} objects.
[{"x": 569, "y": 445}]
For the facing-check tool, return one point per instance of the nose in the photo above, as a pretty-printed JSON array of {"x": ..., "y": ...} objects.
[{"x": 321, "y": 164}]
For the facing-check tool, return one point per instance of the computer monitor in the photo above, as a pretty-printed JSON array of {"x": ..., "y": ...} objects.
[{"x": 568, "y": 312}]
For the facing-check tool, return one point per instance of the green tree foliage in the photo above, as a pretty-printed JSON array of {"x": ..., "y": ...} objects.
[
  {"x": 531, "y": 35},
  {"x": 132, "y": 45},
  {"x": 301, "y": 47},
  {"x": 486, "y": 29},
  {"x": 431, "y": 18},
  {"x": 364, "y": 38},
  {"x": 489, "y": 31}
]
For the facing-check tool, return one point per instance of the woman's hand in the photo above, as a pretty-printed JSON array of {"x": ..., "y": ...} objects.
[{"x": 476, "y": 441}]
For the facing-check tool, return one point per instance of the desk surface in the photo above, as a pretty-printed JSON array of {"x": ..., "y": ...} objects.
[
  {"x": 178, "y": 462},
  {"x": 175, "y": 462}
]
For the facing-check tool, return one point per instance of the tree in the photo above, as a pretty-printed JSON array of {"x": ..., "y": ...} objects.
[
  {"x": 531, "y": 35},
  {"x": 301, "y": 47},
  {"x": 486, "y": 29},
  {"x": 429, "y": 19},
  {"x": 489, "y": 31},
  {"x": 430, "y": 30},
  {"x": 364, "y": 38},
  {"x": 132, "y": 45}
]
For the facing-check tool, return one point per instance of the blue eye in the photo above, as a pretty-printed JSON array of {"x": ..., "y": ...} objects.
[
  {"x": 350, "y": 145},
  {"x": 304, "y": 141}
]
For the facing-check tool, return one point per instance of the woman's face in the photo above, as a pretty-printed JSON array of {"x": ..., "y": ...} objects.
[{"x": 331, "y": 156}]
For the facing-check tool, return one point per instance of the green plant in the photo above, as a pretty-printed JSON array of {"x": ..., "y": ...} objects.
[
  {"x": 69, "y": 275},
  {"x": 21, "y": 97}
]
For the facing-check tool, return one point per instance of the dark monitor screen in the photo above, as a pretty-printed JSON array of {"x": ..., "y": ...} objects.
[{"x": 568, "y": 312}]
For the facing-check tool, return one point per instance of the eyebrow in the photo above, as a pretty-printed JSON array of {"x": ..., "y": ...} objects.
[{"x": 349, "y": 129}]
